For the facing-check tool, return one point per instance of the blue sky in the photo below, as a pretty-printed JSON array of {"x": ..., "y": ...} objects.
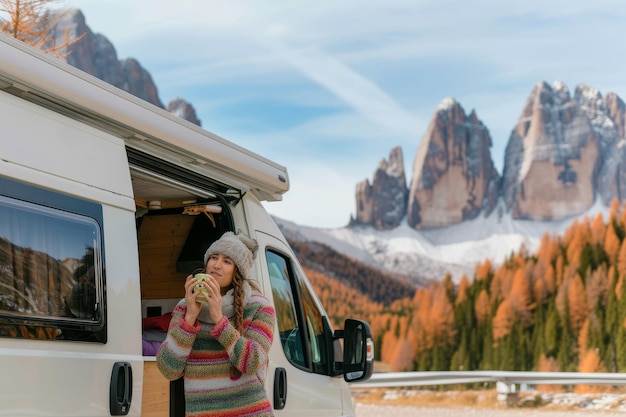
[{"x": 327, "y": 88}]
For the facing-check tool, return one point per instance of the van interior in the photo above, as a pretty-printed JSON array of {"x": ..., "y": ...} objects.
[{"x": 178, "y": 215}]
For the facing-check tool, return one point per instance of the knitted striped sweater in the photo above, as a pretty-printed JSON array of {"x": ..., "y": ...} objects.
[{"x": 205, "y": 355}]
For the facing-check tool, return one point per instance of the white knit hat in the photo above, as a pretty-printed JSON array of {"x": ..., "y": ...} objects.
[{"x": 241, "y": 249}]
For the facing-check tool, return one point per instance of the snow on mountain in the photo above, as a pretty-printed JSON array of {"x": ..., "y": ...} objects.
[{"x": 433, "y": 252}]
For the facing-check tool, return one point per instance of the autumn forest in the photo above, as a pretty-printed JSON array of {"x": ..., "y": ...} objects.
[{"x": 559, "y": 309}]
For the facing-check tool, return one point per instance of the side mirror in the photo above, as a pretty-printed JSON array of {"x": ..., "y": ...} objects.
[{"x": 358, "y": 351}]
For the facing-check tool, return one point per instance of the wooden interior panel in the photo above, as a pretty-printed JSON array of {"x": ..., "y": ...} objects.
[
  {"x": 161, "y": 239},
  {"x": 156, "y": 392}
]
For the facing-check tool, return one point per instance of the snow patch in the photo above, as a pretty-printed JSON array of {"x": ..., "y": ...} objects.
[{"x": 456, "y": 248}]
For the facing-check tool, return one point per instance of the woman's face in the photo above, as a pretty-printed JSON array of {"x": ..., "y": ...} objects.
[{"x": 222, "y": 268}]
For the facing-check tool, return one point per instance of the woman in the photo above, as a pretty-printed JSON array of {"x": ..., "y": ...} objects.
[{"x": 220, "y": 345}]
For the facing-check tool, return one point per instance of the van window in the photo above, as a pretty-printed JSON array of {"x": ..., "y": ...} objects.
[
  {"x": 299, "y": 320},
  {"x": 51, "y": 278}
]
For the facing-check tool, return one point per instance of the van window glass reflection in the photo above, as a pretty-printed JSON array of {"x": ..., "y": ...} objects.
[{"x": 48, "y": 262}]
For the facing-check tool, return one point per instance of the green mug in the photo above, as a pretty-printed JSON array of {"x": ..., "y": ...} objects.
[{"x": 204, "y": 293}]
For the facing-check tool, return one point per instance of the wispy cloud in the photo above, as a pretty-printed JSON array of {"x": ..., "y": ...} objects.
[{"x": 361, "y": 94}]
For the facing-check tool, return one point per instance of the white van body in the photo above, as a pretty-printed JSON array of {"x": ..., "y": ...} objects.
[{"x": 97, "y": 189}]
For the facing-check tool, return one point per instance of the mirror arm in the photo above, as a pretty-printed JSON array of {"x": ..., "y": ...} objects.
[{"x": 334, "y": 348}]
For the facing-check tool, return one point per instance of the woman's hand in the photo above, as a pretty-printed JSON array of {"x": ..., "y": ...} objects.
[
  {"x": 193, "y": 306},
  {"x": 214, "y": 298}
]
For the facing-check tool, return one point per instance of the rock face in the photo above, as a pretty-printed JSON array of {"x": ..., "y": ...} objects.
[
  {"x": 551, "y": 158},
  {"x": 608, "y": 121},
  {"x": 564, "y": 151},
  {"x": 184, "y": 110},
  {"x": 95, "y": 55},
  {"x": 383, "y": 203},
  {"x": 454, "y": 178}
]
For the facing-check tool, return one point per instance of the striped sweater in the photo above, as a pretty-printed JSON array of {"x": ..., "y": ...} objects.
[{"x": 207, "y": 356}]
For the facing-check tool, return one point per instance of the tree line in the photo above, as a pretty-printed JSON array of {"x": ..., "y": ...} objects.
[{"x": 559, "y": 309}]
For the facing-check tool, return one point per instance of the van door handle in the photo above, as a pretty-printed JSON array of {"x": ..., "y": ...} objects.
[
  {"x": 121, "y": 389},
  {"x": 280, "y": 388}
]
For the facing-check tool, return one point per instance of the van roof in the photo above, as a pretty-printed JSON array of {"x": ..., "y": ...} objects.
[{"x": 49, "y": 82}]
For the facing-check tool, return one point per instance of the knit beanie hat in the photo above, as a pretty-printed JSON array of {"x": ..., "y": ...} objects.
[{"x": 241, "y": 249}]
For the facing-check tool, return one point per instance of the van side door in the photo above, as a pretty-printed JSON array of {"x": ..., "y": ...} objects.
[{"x": 302, "y": 357}]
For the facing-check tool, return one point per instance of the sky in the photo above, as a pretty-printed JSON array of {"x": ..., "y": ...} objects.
[{"x": 328, "y": 88}]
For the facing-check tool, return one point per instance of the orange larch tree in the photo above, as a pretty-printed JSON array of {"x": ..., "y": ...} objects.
[
  {"x": 482, "y": 307},
  {"x": 520, "y": 298},
  {"x": 439, "y": 327},
  {"x": 31, "y": 22},
  {"x": 577, "y": 304},
  {"x": 597, "y": 288},
  {"x": 614, "y": 210},
  {"x": 611, "y": 243},
  {"x": 621, "y": 260},
  {"x": 462, "y": 291},
  {"x": 591, "y": 362},
  {"x": 483, "y": 270},
  {"x": 598, "y": 230},
  {"x": 503, "y": 321}
]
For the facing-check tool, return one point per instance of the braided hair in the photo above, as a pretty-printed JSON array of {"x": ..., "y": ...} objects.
[{"x": 239, "y": 297}]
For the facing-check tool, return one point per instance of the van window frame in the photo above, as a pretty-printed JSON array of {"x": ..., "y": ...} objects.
[
  {"x": 317, "y": 357},
  {"x": 62, "y": 209}
]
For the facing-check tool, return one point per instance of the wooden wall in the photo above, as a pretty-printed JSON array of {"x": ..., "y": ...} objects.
[{"x": 161, "y": 239}]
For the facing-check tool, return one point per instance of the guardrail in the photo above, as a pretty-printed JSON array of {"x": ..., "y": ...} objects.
[{"x": 505, "y": 380}]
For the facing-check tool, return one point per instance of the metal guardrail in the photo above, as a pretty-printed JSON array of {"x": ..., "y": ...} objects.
[{"x": 505, "y": 380}]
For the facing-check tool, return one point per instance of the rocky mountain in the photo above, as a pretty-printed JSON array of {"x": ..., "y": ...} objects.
[
  {"x": 96, "y": 55},
  {"x": 563, "y": 152},
  {"x": 552, "y": 157},
  {"x": 454, "y": 178},
  {"x": 383, "y": 203}
]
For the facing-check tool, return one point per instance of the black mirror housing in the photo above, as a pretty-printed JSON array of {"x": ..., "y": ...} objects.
[{"x": 358, "y": 351}]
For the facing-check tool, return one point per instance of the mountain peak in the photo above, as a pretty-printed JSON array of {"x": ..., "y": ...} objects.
[
  {"x": 454, "y": 177},
  {"x": 96, "y": 55},
  {"x": 383, "y": 203},
  {"x": 447, "y": 104}
]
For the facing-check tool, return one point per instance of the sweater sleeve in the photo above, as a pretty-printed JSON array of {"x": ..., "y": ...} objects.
[
  {"x": 249, "y": 351},
  {"x": 174, "y": 351}
]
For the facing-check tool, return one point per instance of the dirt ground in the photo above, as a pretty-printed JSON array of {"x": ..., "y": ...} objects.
[
  {"x": 371, "y": 410},
  {"x": 487, "y": 403}
]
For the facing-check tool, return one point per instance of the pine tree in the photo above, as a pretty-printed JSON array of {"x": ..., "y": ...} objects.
[
  {"x": 461, "y": 358},
  {"x": 551, "y": 332},
  {"x": 487, "y": 358},
  {"x": 620, "y": 348},
  {"x": 567, "y": 345},
  {"x": 615, "y": 353}
]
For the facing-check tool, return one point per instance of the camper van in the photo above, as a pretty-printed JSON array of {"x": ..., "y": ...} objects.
[{"x": 107, "y": 203}]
